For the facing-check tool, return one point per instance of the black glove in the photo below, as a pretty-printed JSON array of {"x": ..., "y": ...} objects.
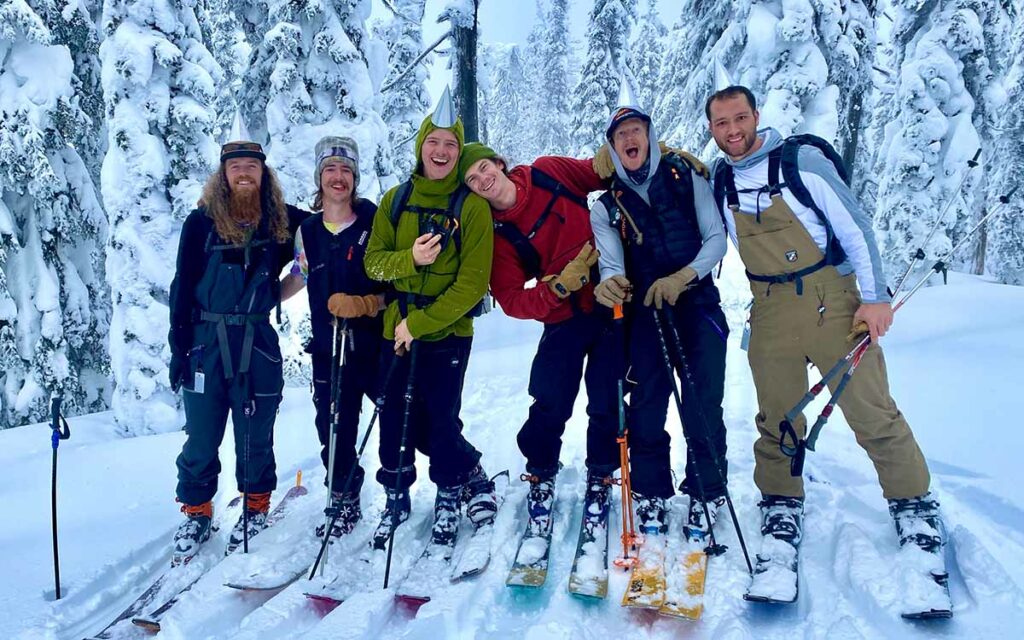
[{"x": 177, "y": 371}]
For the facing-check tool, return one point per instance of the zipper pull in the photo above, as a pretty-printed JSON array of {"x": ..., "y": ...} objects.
[{"x": 349, "y": 253}]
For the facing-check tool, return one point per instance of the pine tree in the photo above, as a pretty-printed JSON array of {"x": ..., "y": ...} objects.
[
  {"x": 1005, "y": 256},
  {"x": 225, "y": 38},
  {"x": 932, "y": 127},
  {"x": 309, "y": 78},
  {"x": 160, "y": 83},
  {"x": 406, "y": 101},
  {"x": 507, "y": 99},
  {"x": 595, "y": 95},
  {"x": 52, "y": 304},
  {"x": 552, "y": 116},
  {"x": 646, "y": 53},
  {"x": 535, "y": 98}
]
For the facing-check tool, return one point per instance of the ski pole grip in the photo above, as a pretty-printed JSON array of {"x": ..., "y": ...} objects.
[
  {"x": 973, "y": 162},
  {"x": 59, "y": 426}
]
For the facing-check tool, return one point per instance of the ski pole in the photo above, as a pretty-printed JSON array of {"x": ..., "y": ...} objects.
[
  {"x": 378, "y": 404},
  {"x": 250, "y": 409},
  {"x": 796, "y": 451},
  {"x": 340, "y": 338},
  {"x": 629, "y": 537},
  {"x": 714, "y": 548},
  {"x": 919, "y": 254},
  {"x": 410, "y": 386},
  {"x": 59, "y": 431}
]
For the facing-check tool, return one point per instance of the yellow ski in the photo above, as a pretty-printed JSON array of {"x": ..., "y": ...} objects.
[
  {"x": 646, "y": 589},
  {"x": 684, "y": 595}
]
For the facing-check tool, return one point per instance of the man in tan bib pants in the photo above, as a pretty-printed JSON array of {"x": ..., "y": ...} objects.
[{"x": 814, "y": 272}]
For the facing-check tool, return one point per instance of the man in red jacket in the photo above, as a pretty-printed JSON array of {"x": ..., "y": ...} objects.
[{"x": 542, "y": 270}]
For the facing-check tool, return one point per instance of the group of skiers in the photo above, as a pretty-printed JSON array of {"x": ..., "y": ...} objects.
[{"x": 623, "y": 287}]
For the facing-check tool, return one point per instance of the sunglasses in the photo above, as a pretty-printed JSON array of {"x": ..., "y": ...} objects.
[{"x": 231, "y": 147}]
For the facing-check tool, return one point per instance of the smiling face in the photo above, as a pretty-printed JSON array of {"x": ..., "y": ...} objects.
[
  {"x": 733, "y": 124},
  {"x": 439, "y": 154},
  {"x": 631, "y": 143},
  {"x": 486, "y": 178},
  {"x": 243, "y": 174},
  {"x": 336, "y": 182}
]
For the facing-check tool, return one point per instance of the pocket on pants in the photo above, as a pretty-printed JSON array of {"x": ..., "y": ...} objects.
[{"x": 267, "y": 370}]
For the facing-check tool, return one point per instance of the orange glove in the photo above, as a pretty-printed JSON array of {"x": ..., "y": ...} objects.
[{"x": 343, "y": 305}]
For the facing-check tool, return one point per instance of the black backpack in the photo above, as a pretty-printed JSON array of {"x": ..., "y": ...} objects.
[{"x": 520, "y": 241}]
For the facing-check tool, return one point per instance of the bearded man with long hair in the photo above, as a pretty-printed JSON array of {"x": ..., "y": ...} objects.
[{"x": 225, "y": 355}]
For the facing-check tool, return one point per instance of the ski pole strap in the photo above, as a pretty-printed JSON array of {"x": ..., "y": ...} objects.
[{"x": 60, "y": 429}]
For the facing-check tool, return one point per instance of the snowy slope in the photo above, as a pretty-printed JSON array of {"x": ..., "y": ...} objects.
[{"x": 954, "y": 358}]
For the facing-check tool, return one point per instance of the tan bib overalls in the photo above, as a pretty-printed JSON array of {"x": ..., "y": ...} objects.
[{"x": 788, "y": 329}]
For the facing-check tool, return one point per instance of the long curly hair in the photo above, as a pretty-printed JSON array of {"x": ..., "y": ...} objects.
[{"x": 216, "y": 199}]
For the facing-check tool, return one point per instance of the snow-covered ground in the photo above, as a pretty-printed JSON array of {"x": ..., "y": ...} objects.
[{"x": 954, "y": 358}]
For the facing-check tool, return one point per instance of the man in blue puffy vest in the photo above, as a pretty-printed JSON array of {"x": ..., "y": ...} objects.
[{"x": 660, "y": 237}]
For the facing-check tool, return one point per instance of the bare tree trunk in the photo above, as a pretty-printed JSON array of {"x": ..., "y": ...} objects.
[
  {"x": 465, "y": 75},
  {"x": 980, "y": 247}
]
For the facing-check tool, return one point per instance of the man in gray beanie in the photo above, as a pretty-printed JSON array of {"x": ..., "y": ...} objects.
[{"x": 329, "y": 249}]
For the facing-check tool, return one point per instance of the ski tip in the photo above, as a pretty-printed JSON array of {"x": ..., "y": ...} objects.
[
  {"x": 933, "y": 614},
  {"x": 322, "y": 604},
  {"x": 153, "y": 626}
]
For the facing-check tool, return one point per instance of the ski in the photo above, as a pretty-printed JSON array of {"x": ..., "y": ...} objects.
[
  {"x": 433, "y": 569},
  {"x": 924, "y": 584},
  {"x": 647, "y": 581},
  {"x": 326, "y": 595},
  {"x": 776, "y": 578},
  {"x": 475, "y": 555},
  {"x": 530, "y": 568},
  {"x": 589, "y": 576},
  {"x": 151, "y": 621},
  {"x": 684, "y": 590}
]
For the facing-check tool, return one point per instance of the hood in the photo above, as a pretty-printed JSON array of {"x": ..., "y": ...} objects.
[
  {"x": 770, "y": 139},
  {"x": 451, "y": 181},
  {"x": 653, "y": 150}
]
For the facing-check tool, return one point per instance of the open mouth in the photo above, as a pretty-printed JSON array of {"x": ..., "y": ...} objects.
[
  {"x": 487, "y": 185},
  {"x": 440, "y": 162},
  {"x": 632, "y": 152},
  {"x": 339, "y": 186}
]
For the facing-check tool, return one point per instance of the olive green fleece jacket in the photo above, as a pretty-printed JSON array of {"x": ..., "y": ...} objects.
[{"x": 457, "y": 281}]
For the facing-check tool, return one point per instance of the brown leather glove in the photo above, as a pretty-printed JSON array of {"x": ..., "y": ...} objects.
[
  {"x": 576, "y": 274},
  {"x": 602, "y": 162},
  {"x": 613, "y": 291},
  {"x": 343, "y": 305},
  {"x": 669, "y": 288},
  {"x": 857, "y": 332}
]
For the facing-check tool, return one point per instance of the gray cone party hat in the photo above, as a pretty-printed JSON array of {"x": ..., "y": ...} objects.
[
  {"x": 722, "y": 78},
  {"x": 239, "y": 144},
  {"x": 444, "y": 113}
]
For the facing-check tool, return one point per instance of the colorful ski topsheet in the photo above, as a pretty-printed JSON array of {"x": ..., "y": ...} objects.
[
  {"x": 589, "y": 577},
  {"x": 647, "y": 581},
  {"x": 684, "y": 592},
  {"x": 475, "y": 554},
  {"x": 530, "y": 568}
]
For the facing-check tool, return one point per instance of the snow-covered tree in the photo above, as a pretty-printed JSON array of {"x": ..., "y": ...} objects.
[
  {"x": 225, "y": 38},
  {"x": 551, "y": 116},
  {"x": 646, "y": 53},
  {"x": 159, "y": 83},
  {"x": 1005, "y": 255},
  {"x": 406, "y": 101},
  {"x": 594, "y": 96},
  {"x": 933, "y": 126},
  {"x": 308, "y": 78},
  {"x": 52, "y": 301},
  {"x": 506, "y": 100}
]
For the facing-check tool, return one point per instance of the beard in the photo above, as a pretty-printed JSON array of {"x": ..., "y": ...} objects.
[{"x": 244, "y": 206}]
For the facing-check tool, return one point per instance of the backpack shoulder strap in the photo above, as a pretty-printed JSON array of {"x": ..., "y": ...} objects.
[
  {"x": 790, "y": 169},
  {"x": 525, "y": 250},
  {"x": 681, "y": 170},
  {"x": 552, "y": 185},
  {"x": 455, "y": 202},
  {"x": 723, "y": 185},
  {"x": 399, "y": 202}
]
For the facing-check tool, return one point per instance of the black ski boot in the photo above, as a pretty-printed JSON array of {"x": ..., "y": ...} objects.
[
  {"x": 697, "y": 526},
  {"x": 258, "y": 506},
  {"x": 446, "y": 516},
  {"x": 775, "y": 577},
  {"x": 651, "y": 514},
  {"x": 397, "y": 503},
  {"x": 346, "y": 506},
  {"x": 193, "y": 532},
  {"x": 918, "y": 522},
  {"x": 595, "y": 501},
  {"x": 479, "y": 497},
  {"x": 539, "y": 504}
]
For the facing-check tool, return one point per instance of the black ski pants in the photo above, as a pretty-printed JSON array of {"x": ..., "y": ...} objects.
[
  {"x": 555, "y": 378},
  {"x": 206, "y": 417},
  {"x": 703, "y": 331},
  {"x": 435, "y": 429},
  {"x": 358, "y": 378}
]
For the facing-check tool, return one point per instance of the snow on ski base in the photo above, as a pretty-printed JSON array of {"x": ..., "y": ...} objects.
[{"x": 954, "y": 362}]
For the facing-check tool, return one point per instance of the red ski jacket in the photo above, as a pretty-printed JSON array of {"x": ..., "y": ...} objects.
[{"x": 557, "y": 241}]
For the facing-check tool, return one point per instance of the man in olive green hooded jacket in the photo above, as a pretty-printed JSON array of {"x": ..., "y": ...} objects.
[{"x": 438, "y": 259}]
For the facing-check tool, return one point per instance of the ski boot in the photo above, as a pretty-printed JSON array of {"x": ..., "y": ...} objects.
[
  {"x": 775, "y": 577},
  {"x": 446, "y": 516},
  {"x": 479, "y": 497},
  {"x": 918, "y": 522},
  {"x": 346, "y": 507},
  {"x": 397, "y": 505},
  {"x": 539, "y": 504},
  {"x": 651, "y": 514},
  {"x": 258, "y": 507},
  {"x": 697, "y": 526},
  {"x": 595, "y": 501},
  {"x": 193, "y": 532},
  {"x": 923, "y": 579}
]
